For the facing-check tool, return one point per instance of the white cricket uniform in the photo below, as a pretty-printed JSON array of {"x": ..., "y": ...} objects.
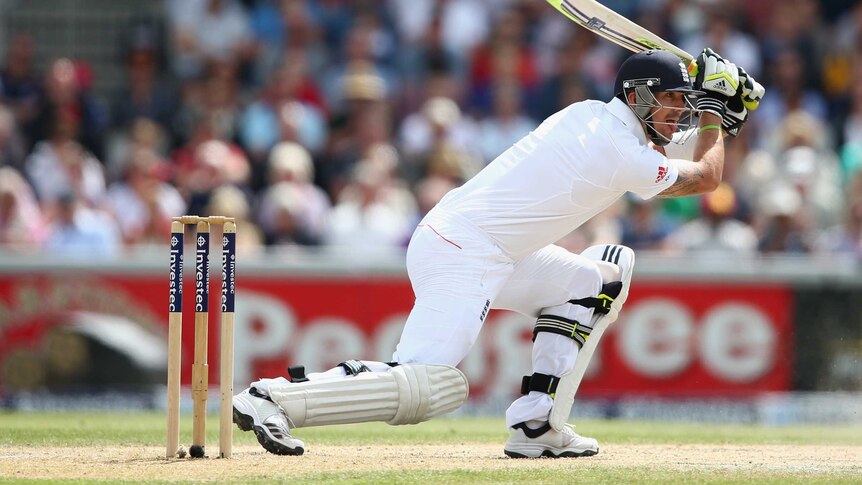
[{"x": 489, "y": 243}]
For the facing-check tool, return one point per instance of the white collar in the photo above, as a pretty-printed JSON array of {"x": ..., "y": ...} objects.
[{"x": 624, "y": 113}]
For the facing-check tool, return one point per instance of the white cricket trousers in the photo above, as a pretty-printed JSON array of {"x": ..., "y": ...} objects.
[{"x": 458, "y": 274}]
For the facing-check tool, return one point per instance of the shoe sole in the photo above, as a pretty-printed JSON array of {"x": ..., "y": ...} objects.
[
  {"x": 246, "y": 423},
  {"x": 551, "y": 454}
]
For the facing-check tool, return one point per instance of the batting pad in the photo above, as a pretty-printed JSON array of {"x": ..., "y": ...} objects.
[
  {"x": 405, "y": 394},
  {"x": 564, "y": 397}
]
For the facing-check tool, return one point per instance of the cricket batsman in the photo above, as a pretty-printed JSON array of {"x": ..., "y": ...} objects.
[{"x": 489, "y": 245}]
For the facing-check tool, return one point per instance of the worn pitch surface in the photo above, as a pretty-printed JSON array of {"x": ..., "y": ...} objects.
[{"x": 252, "y": 463}]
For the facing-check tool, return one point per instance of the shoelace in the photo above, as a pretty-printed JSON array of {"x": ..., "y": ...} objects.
[
  {"x": 570, "y": 429},
  {"x": 284, "y": 418}
]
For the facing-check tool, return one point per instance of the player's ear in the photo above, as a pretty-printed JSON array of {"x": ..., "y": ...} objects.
[{"x": 631, "y": 97}]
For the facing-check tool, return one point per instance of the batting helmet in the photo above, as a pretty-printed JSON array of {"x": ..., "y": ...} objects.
[
  {"x": 666, "y": 71},
  {"x": 647, "y": 73}
]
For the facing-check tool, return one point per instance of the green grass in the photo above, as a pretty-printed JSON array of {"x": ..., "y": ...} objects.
[
  {"x": 41, "y": 430},
  {"x": 89, "y": 429}
]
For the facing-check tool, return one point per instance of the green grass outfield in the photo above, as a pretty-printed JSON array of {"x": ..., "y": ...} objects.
[{"x": 116, "y": 434}]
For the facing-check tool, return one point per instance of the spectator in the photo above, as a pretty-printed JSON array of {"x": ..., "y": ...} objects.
[
  {"x": 68, "y": 100},
  {"x": 20, "y": 84},
  {"x": 429, "y": 191},
  {"x": 795, "y": 25},
  {"x": 721, "y": 33},
  {"x": 79, "y": 231},
  {"x": 60, "y": 165},
  {"x": 796, "y": 153},
  {"x": 427, "y": 67},
  {"x": 299, "y": 123},
  {"x": 504, "y": 58},
  {"x": 206, "y": 32},
  {"x": 284, "y": 217},
  {"x": 462, "y": 24},
  {"x": 644, "y": 225},
  {"x": 850, "y": 130},
  {"x": 365, "y": 122},
  {"x": 439, "y": 122},
  {"x": 781, "y": 229},
  {"x": 146, "y": 94},
  {"x": 12, "y": 151},
  {"x": 334, "y": 17},
  {"x": 448, "y": 162},
  {"x": 802, "y": 157},
  {"x": 283, "y": 111},
  {"x": 571, "y": 80},
  {"x": 507, "y": 123},
  {"x": 143, "y": 134},
  {"x": 716, "y": 234},
  {"x": 373, "y": 211},
  {"x": 143, "y": 202},
  {"x": 359, "y": 58},
  {"x": 221, "y": 99},
  {"x": 846, "y": 237},
  {"x": 286, "y": 29},
  {"x": 213, "y": 163},
  {"x": 816, "y": 179},
  {"x": 215, "y": 98},
  {"x": 789, "y": 91},
  {"x": 291, "y": 194},
  {"x": 207, "y": 161},
  {"x": 22, "y": 226},
  {"x": 229, "y": 201}
]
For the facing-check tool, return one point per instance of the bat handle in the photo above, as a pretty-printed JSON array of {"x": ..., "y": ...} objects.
[{"x": 692, "y": 68}]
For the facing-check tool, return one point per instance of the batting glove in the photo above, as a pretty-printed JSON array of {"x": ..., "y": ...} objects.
[
  {"x": 752, "y": 91},
  {"x": 718, "y": 78},
  {"x": 737, "y": 108}
]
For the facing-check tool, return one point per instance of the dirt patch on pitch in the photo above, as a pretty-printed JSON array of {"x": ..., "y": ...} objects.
[{"x": 252, "y": 463}]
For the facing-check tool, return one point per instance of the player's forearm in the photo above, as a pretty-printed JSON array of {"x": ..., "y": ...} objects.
[
  {"x": 703, "y": 173},
  {"x": 709, "y": 151}
]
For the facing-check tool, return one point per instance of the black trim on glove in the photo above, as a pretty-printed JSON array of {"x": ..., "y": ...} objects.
[
  {"x": 711, "y": 104},
  {"x": 732, "y": 123}
]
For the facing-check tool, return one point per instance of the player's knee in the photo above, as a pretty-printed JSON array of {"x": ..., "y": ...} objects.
[
  {"x": 609, "y": 272},
  {"x": 426, "y": 391},
  {"x": 576, "y": 317}
]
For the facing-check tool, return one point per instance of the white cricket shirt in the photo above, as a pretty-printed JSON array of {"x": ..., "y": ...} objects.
[{"x": 573, "y": 166}]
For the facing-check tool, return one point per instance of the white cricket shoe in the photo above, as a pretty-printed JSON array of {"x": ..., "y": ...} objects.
[
  {"x": 545, "y": 441},
  {"x": 253, "y": 410}
]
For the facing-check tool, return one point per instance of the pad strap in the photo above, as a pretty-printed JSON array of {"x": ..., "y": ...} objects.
[
  {"x": 256, "y": 393},
  {"x": 601, "y": 303},
  {"x": 540, "y": 383},
  {"x": 297, "y": 373},
  {"x": 562, "y": 326},
  {"x": 533, "y": 433},
  {"x": 354, "y": 367}
]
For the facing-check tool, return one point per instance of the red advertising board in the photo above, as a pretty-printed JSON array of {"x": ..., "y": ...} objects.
[{"x": 681, "y": 339}]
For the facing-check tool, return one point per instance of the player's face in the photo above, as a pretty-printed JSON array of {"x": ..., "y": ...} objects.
[{"x": 668, "y": 115}]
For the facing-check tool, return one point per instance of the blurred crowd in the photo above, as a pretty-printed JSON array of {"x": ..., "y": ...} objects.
[{"x": 340, "y": 123}]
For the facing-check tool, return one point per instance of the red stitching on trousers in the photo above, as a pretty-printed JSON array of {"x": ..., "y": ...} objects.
[{"x": 441, "y": 236}]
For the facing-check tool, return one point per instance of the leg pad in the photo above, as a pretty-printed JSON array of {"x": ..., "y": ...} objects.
[{"x": 406, "y": 394}]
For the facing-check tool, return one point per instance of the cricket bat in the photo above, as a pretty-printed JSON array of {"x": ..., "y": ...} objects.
[{"x": 603, "y": 21}]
